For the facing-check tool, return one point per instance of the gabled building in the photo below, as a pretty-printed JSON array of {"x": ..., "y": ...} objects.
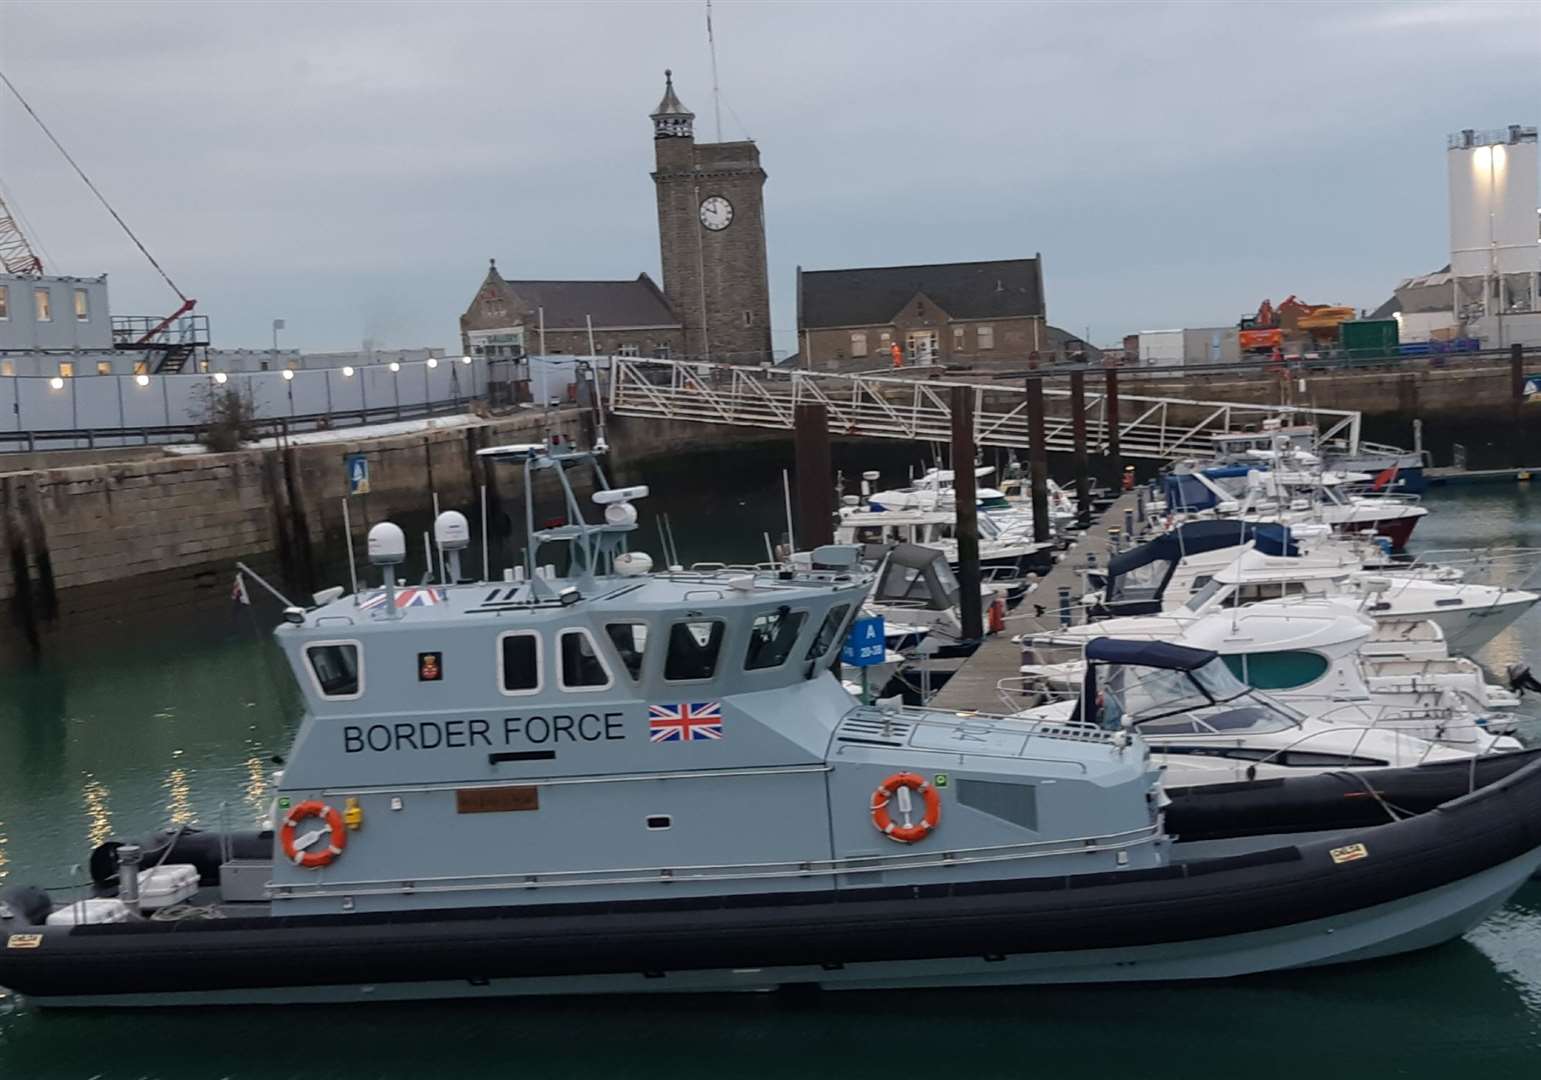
[
  {"x": 628, "y": 318},
  {"x": 960, "y": 312},
  {"x": 715, "y": 299}
]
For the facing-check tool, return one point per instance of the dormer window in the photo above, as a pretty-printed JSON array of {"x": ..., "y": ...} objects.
[{"x": 336, "y": 669}]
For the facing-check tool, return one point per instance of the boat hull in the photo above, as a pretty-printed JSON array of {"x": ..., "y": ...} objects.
[{"x": 1356, "y": 895}]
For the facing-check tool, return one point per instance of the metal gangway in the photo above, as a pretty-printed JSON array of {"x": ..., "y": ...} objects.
[{"x": 918, "y": 409}]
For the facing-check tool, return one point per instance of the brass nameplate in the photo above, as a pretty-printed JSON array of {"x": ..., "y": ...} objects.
[
  {"x": 24, "y": 941},
  {"x": 496, "y": 800}
]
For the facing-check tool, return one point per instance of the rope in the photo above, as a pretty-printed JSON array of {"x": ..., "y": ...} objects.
[
  {"x": 1364, "y": 782},
  {"x": 102, "y": 198}
]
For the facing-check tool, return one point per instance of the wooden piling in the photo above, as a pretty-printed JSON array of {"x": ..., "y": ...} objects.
[
  {"x": 966, "y": 509},
  {"x": 1038, "y": 458},
  {"x": 1083, "y": 483},
  {"x": 1517, "y": 402},
  {"x": 815, "y": 476},
  {"x": 1110, "y": 417}
]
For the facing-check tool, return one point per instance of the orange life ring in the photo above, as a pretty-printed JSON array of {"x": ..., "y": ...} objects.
[
  {"x": 905, "y": 834},
  {"x": 321, "y": 857}
]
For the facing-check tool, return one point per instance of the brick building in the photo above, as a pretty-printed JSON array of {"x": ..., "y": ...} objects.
[
  {"x": 715, "y": 299},
  {"x": 958, "y": 312}
]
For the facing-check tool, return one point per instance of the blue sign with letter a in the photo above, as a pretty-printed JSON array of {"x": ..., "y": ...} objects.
[
  {"x": 864, "y": 644},
  {"x": 358, "y": 474}
]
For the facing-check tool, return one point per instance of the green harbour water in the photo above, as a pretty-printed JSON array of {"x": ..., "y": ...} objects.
[{"x": 121, "y": 727}]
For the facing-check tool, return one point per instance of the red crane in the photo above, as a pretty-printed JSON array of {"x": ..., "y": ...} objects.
[{"x": 16, "y": 255}]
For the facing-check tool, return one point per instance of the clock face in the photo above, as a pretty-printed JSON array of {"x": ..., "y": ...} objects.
[{"x": 716, "y": 213}]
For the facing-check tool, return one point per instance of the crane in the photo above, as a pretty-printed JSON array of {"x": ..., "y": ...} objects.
[{"x": 16, "y": 255}]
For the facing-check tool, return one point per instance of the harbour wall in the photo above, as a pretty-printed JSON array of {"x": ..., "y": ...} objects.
[{"x": 149, "y": 531}]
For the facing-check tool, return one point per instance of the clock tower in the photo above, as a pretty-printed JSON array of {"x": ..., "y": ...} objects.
[{"x": 711, "y": 237}]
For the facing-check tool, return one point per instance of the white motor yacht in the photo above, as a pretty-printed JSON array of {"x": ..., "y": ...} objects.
[
  {"x": 1167, "y": 575},
  {"x": 1308, "y": 656},
  {"x": 1205, "y": 726},
  {"x": 1002, "y": 557}
]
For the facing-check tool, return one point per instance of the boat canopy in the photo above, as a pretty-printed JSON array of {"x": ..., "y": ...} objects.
[
  {"x": 1137, "y": 578},
  {"x": 1151, "y": 654}
]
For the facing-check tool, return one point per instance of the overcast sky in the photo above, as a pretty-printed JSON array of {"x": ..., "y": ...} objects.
[{"x": 351, "y": 167}]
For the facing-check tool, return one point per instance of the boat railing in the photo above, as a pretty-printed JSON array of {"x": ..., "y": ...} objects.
[
  {"x": 943, "y": 859},
  {"x": 1509, "y": 566},
  {"x": 979, "y": 722}
]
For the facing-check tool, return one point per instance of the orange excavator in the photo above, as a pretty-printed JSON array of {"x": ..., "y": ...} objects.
[{"x": 1304, "y": 324}]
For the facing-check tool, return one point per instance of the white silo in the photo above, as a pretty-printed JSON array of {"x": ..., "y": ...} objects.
[{"x": 1495, "y": 256}]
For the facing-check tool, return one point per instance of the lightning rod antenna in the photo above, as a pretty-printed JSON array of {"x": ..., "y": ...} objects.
[{"x": 711, "y": 44}]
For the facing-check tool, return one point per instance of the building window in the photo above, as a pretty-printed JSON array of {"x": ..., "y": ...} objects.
[
  {"x": 858, "y": 343},
  {"x": 7, "y": 368},
  {"x": 628, "y": 350},
  {"x": 986, "y": 337},
  {"x": 5, "y": 302},
  {"x": 66, "y": 369},
  {"x": 82, "y": 305},
  {"x": 43, "y": 304},
  {"x": 104, "y": 367},
  {"x": 748, "y": 318},
  {"x": 662, "y": 352},
  {"x": 885, "y": 337},
  {"x": 957, "y": 339}
]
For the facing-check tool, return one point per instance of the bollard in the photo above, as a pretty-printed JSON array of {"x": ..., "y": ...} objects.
[
  {"x": 128, "y": 874},
  {"x": 1064, "y": 605}
]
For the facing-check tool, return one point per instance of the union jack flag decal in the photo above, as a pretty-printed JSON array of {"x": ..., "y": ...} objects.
[
  {"x": 405, "y": 598},
  {"x": 685, "y": 722}
]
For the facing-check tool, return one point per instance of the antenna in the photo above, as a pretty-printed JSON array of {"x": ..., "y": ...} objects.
[{"x": 711, "y": 44}]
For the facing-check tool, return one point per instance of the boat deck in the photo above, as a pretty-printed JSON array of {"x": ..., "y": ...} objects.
[{"x": 975, "y": 686}]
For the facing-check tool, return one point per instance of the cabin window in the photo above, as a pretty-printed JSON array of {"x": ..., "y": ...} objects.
[
  {"x": 771, "y": 638},
  {"x": 582, "y": 668},
  {"x": 693, "y": 649},
  {"x": 337, "y": 670},
  {"x": 519, "y": 662},
  {"x": 1282, "y": 670},
  {"x": 104, "y": 367},
  {"x": 630, "y": 640},
  {"x": 7, "y": 368},
  {"x": 42, "y": 304},
  {"x": 82, "y": 305},
  {"x": 5, "y": 302},
  {"x": 829, "y": 631},
  {"x": 1269, "y": 590}
]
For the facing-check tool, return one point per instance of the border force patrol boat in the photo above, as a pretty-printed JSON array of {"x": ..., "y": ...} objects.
[{"x": 620, "y": 780}]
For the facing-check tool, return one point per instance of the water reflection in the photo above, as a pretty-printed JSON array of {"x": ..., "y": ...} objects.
[
  {"x": 99, "y": 816},
  {"x": 3, "y": 860},
  {"x": 259, "y": 786},
  {"x": 179, "y": 810}
]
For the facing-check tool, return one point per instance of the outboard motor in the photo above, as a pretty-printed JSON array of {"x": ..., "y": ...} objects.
[
  {"x": 30, "y": 904},
  {"x": 1521, "y": 678}
]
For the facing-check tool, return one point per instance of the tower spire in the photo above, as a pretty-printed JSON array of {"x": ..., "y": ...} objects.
[{"x": 671, "y": 120}]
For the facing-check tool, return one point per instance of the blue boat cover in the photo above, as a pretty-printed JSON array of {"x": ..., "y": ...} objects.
[
  {"x": 1156, "y": 654},
  {"x": 1196, "y": 537}
]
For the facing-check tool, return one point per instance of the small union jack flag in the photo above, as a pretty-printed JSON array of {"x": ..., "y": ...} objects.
[
  {"x": 405, "y": 598},
  {"x": 685, "y": 722}
]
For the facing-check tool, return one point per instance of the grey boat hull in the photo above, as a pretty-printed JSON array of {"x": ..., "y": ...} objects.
[{"x": 1405, "y": 925}]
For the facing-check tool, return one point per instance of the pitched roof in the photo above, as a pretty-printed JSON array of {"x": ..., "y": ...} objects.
[
  {"x": 874, "y": 295},
  {"x": 637, "y": 302}
]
